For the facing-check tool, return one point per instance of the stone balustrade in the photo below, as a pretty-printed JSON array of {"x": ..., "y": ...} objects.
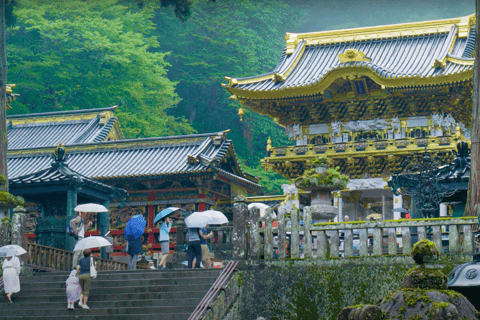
[{"x": 295, "y": 237}]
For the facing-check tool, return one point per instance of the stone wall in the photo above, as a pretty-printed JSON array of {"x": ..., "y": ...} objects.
[{"x": 320, "y": 290}]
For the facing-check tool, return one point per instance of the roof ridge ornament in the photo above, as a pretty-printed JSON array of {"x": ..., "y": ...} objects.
[
  {"x": 277, "y": 77},
  {"x": 59, "y": 156},
  {"x": 353, "y": 55}
]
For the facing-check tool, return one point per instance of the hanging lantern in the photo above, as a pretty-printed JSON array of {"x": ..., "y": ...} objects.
[{"x": 241, "y": 113}]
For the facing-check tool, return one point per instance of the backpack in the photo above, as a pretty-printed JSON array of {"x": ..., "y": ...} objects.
[{"x": 70, "y": 229}]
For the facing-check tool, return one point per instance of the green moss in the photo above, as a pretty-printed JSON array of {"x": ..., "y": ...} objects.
[
  {"x": 240, "y": 278},
  {"x": 402, "y": 310},
  {"x": 416, "y": 317},
  {"x": 424, "y": 250},
  {"x": 357, "y": 306},
  {"x": 331, "y": 178}
]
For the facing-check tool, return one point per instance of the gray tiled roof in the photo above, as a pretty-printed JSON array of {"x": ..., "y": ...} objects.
[
  {"x": 148, "y": 157},
  {"x": 49, "y": 134},
  {"x": 59, "y": 174},
  {"x": 390, "y": 58}
]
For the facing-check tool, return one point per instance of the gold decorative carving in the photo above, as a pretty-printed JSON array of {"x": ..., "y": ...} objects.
[
  {"x": 277, "y": 77},
  {"x": 352, "y": 55}
]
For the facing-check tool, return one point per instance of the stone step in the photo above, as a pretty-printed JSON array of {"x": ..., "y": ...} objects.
[
  {"x": 198, "y": 285},
  {"x": 99, "y": 296},
  {"x": 119, "y": 275},
  {"x": 74, "y": 316},
  {"x": 100, "y": 282},
  {"x": 194, "y": 300},
  {"x": 52, "y": 312}
]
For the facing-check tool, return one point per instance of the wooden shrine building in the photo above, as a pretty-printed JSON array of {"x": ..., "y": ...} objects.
[
  {"x": 367, "y": 98},
  {"x": 194, "y": 172}
]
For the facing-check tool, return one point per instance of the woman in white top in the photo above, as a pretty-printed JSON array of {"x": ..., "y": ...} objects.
[{"x": 11, "y": 270}]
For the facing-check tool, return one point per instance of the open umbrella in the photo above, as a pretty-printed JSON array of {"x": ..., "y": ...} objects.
[
  {"x": 197, "y": 220},
  {"x": 5, "y": 249},
  {"x": 401, "y": 210},
  {"x": 135, "y": 227},
  {"x": 261, "y": 206},
  {"x": 90, "y": 207},
  {"x": 165, "y": 213},
  {"x": 216, "y": 217},
  {"x": 91, "y": 242},
  {"x": 201, "y": 219}
]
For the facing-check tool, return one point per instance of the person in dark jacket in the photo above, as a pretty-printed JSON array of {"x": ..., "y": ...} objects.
[
  {"x": 85, "y": 281},
  {"x": 134, "y": 249},
  {"x": 194, "y": 248}
]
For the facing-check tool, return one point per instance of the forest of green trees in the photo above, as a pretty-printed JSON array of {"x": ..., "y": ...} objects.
[{"x": 164, "y": 73}]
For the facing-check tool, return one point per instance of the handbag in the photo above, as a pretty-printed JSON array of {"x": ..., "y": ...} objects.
[{"x": 93, "y": 271}]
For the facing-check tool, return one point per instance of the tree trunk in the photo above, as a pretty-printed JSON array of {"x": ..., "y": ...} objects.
[
  {"x": 3, "y": 96},
  {"x": 474, "y": 183}
]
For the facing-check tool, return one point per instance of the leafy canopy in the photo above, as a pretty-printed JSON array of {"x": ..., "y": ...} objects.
[{"x": 86, "y": 54}]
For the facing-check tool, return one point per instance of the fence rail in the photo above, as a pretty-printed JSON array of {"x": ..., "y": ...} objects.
[
  {"x": 52, "y": 259},
  {"x": 1, "y": 284},
  {"x": 219, "y": 284},
  {"x": 295, "y": 237}
]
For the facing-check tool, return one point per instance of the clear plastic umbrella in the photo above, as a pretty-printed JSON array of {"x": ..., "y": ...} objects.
[
  {"x": 91, "y": 242},
  {"x": 5, "y": 249}
]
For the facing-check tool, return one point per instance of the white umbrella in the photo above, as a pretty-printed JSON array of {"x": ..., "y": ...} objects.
[
  {"x": 201, "y": 219},
  {"x": 90, "y": 207},
  {"x": 92, "y": 242},
  {"x": 216, "y": 217},
  {"x": 5, "y": 249},
  {"x": 261, "y": 206},
  {"x": 197, "y": 220}
]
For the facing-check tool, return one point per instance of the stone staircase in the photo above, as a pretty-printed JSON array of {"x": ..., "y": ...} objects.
[{"x": 121, "y": 295}]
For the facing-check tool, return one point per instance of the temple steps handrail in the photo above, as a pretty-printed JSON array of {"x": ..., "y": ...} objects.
[{"x": 53, "y": 259}]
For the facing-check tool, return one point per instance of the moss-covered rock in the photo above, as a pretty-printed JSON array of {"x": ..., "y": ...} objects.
[
  {"x": 425, "y": 278},
  {"x": 361, "y": 312},
  {"x": 424, "y": 251}
]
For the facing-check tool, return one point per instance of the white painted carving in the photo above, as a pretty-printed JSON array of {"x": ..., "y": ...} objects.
[
  {"x": 336, "y": 128},
  {"x": 294, "y": 132},
  {"x": 396, "y": 124},
  {"x": 366, "y": 184},
  {"x": 291, "y": 197},
  {"x": 366, "y": 125}
]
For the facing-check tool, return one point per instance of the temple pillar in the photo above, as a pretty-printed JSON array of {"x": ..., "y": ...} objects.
[
  {"x": 71, "y": 204},
  {"x": 151, "y": 217},
  {"x": 397, "y": 203},
  {"x": 19, "y": 228},
  {"x": 104, "y": 225},
  {"x": 201, "y": 200}
]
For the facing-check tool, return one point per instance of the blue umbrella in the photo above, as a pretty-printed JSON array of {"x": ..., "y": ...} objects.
[
  {"x": 165, "y": 213},
  {"x": 135, "y": 227}
]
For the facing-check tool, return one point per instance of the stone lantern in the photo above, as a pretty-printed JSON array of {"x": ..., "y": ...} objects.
[{"x": 321, "y": 180}]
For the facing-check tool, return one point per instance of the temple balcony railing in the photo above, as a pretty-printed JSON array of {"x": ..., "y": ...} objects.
[
  {"x": 363, "y": 148},
  {"x": 295, "y": 237}
]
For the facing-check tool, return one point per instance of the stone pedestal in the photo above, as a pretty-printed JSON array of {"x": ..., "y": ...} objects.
[{"x": 321, "y": 204}]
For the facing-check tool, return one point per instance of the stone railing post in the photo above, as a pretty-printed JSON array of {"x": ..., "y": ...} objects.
[
  {"x": 4, "y": 231},
  {"x": 19, "y": 227},
  {"x": 240, "y": 210}
]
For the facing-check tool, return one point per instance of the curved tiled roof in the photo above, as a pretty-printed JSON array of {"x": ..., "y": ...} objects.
[
  {"x": 67, "y": 127},
  {"x": 136, "y": 158},
  {"x": 393, "y": 56}
]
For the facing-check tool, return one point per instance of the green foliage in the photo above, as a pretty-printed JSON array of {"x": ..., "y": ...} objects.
[
  {"x": 271, "y": 181},
  {"x": 314, "y": 177},
  {"x": 87, "y": 54},
  {"x": 226, "y": 38}
]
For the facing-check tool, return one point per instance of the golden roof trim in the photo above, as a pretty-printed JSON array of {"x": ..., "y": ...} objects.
[
  {"x": 381, "y": 32},
  {"x": 355, "y": 71}
]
